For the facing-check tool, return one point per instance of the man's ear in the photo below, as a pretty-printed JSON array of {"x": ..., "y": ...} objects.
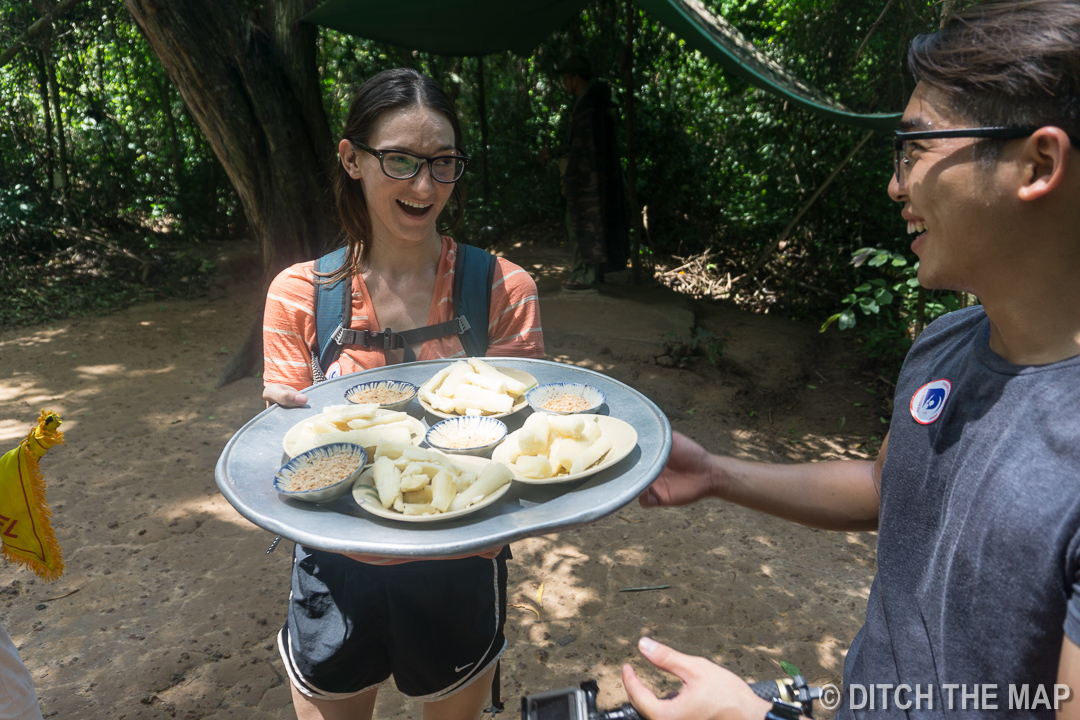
[
  {"x": 350, "y": 159},
  {"x": 1045, "y": 162}
]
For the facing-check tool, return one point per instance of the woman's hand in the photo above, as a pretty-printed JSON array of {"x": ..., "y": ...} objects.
[
  {"x": 283, "y": 395},
  {"x": 687, "y": 477},
  {"x": 709, "y": 691}
]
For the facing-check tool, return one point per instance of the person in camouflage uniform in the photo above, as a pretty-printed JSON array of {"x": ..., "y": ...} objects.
[{"x": 597, "y": 213}]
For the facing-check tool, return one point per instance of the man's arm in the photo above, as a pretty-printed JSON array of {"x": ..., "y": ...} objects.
[
  {"x": 836, "y": 495},
  {"x": 1069, "y": 676}
]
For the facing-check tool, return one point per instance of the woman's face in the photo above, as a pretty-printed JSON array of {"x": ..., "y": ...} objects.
[{"x": 404, "y": 210}]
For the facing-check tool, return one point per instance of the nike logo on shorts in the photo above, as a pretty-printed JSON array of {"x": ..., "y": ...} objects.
[{"x": 467, "y": 665}]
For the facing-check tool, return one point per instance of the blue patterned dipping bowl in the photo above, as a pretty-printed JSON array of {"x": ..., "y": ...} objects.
[
  {"x": 389, "y": 394},
  {"x": 565, "y": 398},
  {"x": 467, "y": 435},
  {"x": 303, "y": 477}
]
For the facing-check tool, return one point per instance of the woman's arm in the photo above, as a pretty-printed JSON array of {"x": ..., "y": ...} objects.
[
  {"x": 288, "y": 331},
  {"x": 283, "y": 395}
]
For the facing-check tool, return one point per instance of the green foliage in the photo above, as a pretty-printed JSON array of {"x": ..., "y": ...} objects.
[
  {"x": 790, "y": 668},
  {"x": 870, "y": 296},
  {"x": 893, "y": 304},
  {"x": 720, "y": 164},
  {"x": 90, "y": 273}
]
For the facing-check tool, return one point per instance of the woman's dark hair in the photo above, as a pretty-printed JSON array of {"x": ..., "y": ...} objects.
[
  {"x": 1007, "y": 62},
  {"x": 385, "y": 92}
]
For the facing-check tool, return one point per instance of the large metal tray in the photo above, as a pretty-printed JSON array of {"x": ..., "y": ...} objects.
[{"x": 246, "y": 468}]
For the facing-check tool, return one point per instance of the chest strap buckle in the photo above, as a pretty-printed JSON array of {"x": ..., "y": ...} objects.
[{"x": 387, "y": 339}]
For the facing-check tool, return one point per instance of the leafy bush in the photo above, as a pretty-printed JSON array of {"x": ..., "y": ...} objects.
[{"x": 895, "y": 305}]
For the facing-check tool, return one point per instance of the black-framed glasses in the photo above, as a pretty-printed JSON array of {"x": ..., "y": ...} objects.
[
  {"x": 401, "y": 165},
  {"x": 1005, "y": 132}
]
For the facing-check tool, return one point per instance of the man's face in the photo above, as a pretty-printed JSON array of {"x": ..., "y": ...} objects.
[{"x": 957, "y": 207}]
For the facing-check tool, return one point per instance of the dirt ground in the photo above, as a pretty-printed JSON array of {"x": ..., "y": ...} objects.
[{"x": 169, "y": 605}]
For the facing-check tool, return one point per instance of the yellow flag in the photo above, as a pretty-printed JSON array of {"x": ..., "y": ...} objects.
[{"x": 25, "y": 529}]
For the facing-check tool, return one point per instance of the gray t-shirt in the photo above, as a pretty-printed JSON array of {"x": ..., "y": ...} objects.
[{"x": 979, "y": 533}]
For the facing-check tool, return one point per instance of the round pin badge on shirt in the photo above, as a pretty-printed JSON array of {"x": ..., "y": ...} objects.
[
  {"x": 928, "y": 402},
  {"x": 334, "y": 371}
]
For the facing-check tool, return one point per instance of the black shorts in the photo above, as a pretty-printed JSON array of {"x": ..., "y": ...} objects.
[{"x": 434, "y": 625}]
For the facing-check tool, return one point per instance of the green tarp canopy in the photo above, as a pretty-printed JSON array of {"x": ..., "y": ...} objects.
[{"x": 481, "y": 27}]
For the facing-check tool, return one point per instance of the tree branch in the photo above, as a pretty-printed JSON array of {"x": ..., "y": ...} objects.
[
  {"x": 34, "y": 30},
  {"x": 873, "y": 27},
  {"x": 806, "y": 206}
]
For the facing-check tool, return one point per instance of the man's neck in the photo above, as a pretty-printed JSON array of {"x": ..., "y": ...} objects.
[
  {"x": 1026, "y": 336},
  {"x": 1036, "y": 321}
]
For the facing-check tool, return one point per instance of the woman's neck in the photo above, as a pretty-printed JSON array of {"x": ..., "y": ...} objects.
[{"x": 395, "y": 258}]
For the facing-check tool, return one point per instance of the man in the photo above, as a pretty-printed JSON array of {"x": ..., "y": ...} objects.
[
  {"x": 976, "y": 491},
  {"x": 18, "y": 699},
  {"x": 597, "y": 215}
]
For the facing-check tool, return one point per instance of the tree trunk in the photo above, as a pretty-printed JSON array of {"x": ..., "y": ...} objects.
[
  {"x": 43, "y": 90},
  {"x": 636, "y": 221},
  {"x": 253, "y": 90},
  {"x": 252, "y": 87},
  {"x": 58, "y": 113},
  {"x": 481, "y": 103}
]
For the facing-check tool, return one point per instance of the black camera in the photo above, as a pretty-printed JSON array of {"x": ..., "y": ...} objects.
[
  {"x": 792, "y": 690},
  {"x": 572, "y": 703},
  {"x": 579, "y": 703}
]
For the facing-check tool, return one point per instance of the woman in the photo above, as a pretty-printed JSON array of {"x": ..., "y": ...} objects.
[{"x": 436, "y": 626}]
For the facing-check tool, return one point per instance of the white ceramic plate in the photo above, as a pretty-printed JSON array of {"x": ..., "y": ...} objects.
[
  {"x": 520, "y": 404},
  {"x": 623, "y": 439},
  {"x": 417, "y": 429},
  {"x": 367, "y": 497}
]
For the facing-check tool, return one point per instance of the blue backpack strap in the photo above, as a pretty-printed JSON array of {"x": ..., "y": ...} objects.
[
  {"x": 474, "y": 271},
  {"x": 333, "y": 308}
]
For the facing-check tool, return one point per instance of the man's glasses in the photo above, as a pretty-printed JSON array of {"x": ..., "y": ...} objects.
[
  {"x": 901, "y": 160},
  {"x": 402, "y": 165}
]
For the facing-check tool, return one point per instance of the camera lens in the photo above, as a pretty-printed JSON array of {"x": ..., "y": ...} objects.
[{"x": 560, "y": 707}]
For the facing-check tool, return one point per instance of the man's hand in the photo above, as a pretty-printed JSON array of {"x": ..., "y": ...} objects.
[
  {"x": 709, "y": 691},
  {"x": 284, "y": 396},
  {"x": 686, "y": 478},
  {"x": 834, "y": 495}
]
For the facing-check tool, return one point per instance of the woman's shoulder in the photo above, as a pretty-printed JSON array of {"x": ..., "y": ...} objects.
[
  {"x": 300, "y": 276},
  {"x": 507, "y": 272},
  {"x": 513, "y": 276}
]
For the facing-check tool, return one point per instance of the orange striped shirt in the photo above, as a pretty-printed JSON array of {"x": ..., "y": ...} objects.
[
  {"x": 289, "y": 329},
  {"x": 289, "y": 322}
]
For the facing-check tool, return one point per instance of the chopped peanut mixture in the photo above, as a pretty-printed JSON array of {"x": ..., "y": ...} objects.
[
  {"x": 567, "y": 403},
  {"x": 381, "y": 396},
  {"x": 322, "y": 473}
]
